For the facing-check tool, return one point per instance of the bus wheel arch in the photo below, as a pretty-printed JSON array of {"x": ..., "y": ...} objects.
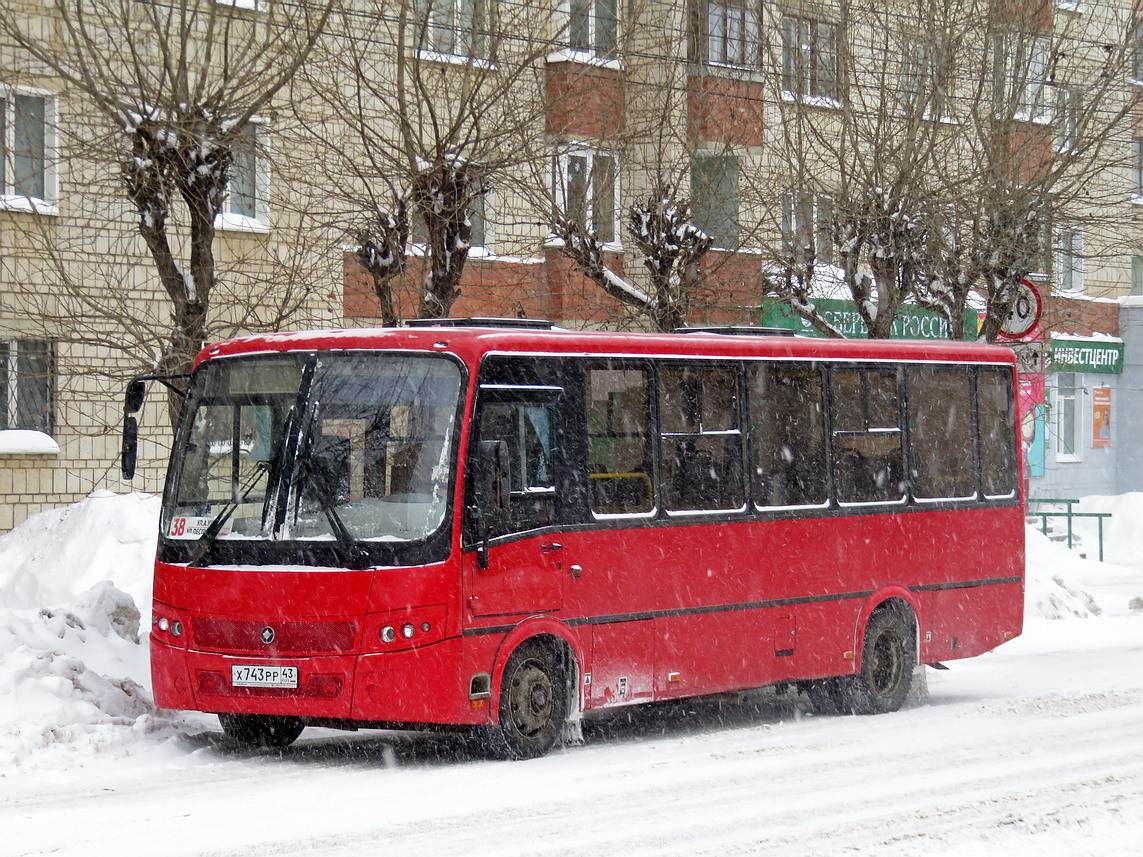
[
  {"x": 535, "y": 697},
  {"x": 889, "y": 650}
]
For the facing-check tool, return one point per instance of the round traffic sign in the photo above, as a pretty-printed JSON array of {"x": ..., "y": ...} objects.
[{"x": 1025, "y": 312}]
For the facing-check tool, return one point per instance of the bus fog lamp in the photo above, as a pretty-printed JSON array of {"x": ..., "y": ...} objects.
[
  {"x": 388, "y": 635},
  {"x": 176, "y": 628},
  {"x": 163, "y": 623},
  {"x": 407, "y": 631}
]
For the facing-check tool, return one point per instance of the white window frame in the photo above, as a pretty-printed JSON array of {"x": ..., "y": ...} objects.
[
  {"x": 231, "y": 220},
  {"x": 10, "y": 403},
  {"x": 1067, "y": 118},
  {"x": 10, "y": 199},
  {"x": 419, "y": 247},
  {"x": 448, "y": 15},
  {"x": 737, "y": 21},
  {"x": 1137, "y": 54},
  {"x": 1069, "y": 259},
  {"x": 249, "y": 5},
  {"x": 794, "y": 224},
  {"x": 561, "y": 163},
  {"x": 1062, "y": 405},
  {"x": 476, "y": 251},
  {"x": 591, "y": 52},
  {"x": 1137, "y": 171},
  {"x": 1028, "y": 84},
  {"x": 801, "y": 57}
]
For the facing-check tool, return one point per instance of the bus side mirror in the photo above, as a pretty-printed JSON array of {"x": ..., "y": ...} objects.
[
  {"x": 491, "y": 497},
  {"x": 130, "y": 452},
  {"x": 133, "y": 401},
  {"x": 136, "y": 392}
]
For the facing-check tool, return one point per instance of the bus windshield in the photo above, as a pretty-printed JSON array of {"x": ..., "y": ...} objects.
[{"x": 333, "y": 447}]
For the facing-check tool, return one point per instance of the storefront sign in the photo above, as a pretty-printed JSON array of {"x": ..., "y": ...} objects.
[
  {"x": 1086, "y": 355},
  {"x": 912, "y": 322},
  {"x": 1101, "y": 417}
]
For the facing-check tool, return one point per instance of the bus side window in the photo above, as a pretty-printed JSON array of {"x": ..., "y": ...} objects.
[
  {"x": 526, "y": 430},
  {"x": 996, "y": 411},
  {"x": 868, "y": 461},
  {"x": 701, "y": 438},
  {"x": 787, "y": 435},
  {"x": 619, "y": 452},
  {"x": 942, "y": 448}
]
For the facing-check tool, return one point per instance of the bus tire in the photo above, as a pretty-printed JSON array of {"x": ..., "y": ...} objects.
[
  {"x": 533, "y": 702},
  {"x": 888, "y": 656},
  {"x": 830, "y": 696},
  {"x": 261, "y": 730}
]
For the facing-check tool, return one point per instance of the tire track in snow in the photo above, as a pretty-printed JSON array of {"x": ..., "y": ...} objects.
[{"x": 867, "y": 790}]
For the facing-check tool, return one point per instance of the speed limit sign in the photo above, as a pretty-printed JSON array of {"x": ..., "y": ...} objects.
[{"x": 1025, "y": 312}]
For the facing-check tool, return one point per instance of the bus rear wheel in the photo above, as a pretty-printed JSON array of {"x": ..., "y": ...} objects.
[
  {"x": 533, "y": 703},
  {"x": 887, "y": 660},
  {"x": 261, "y": 730}
]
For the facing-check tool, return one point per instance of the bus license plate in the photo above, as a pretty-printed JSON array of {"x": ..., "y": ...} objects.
[{"x": 242, "y": 675}]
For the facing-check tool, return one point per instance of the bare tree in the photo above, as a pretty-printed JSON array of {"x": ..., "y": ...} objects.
[
  {"x": 936, "y": 144},
  {"x": 413, "y": 139},
  {"x": 169, "y": 90},
  {"x": 649, "y": 147}
]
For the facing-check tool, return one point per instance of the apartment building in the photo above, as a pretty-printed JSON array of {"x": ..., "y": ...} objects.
[{"x": 775, "y": 123}]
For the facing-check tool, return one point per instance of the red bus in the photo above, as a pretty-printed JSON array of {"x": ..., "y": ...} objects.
[{"x": 503, "y": 528}]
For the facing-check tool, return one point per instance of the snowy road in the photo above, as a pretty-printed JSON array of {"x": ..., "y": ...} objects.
[{"x": 1034, "y": 749}]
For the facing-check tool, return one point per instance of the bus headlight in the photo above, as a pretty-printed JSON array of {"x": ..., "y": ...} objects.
[
  {"x": 388, "y": 635},
  {"x": 407, "y": 631}
]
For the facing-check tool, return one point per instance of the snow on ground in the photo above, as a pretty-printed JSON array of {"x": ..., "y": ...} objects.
[{"x": 1035, "y": 749}]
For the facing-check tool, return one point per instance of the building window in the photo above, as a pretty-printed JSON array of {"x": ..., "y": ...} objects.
[
  {"x": 1067, "y": 119},
  {"x": 1067, "y": 416},
  {"x": 1137, "y": 275},
  {"x": 730, "y": 32},
  {"x": 1137, "y": 52},
  {"x": 1069, "y": 259},
  {"x": 247, "y": 197},
  {"x": 587, "y": 190},
  {"x": 923, "y": 79},
  {"x": 714, "y": 198},
  {"x": 27, "y": 168},
  {"x": 27, "y": 385},
  {"x": 807, "y": 228},
  {"x": 454, "y": 27},
  {"x": 1021, "y": 78},
  {"x": 1137, "y": 170},
  {"x": 593, "y": 27},
  {"x": 809, "y": 58},
  {"x": 480, "y": 234}
]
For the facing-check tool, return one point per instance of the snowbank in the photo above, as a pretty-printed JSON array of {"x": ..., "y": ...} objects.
[
  {"x": 72, "y": 664},
  {"x": 1122, "y": 532},
  {"x": 1052, "y": 587}
]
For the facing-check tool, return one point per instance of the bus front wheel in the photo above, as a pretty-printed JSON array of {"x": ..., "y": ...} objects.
[
  {"x": 533, "y": 702},
  {"x": 261, "y": 730},
  {"x": 887, "y": 660}
]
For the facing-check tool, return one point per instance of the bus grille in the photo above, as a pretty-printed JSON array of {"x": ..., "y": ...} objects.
[{"x": 290, "y": 637}]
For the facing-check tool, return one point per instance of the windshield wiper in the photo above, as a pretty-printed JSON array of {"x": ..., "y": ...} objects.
[
  {"x": 311, "y": 472},
  {"x": 207, "y": 539}
]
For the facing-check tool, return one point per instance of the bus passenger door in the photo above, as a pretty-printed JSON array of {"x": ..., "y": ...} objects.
[{"x": 511, "y": 492}]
